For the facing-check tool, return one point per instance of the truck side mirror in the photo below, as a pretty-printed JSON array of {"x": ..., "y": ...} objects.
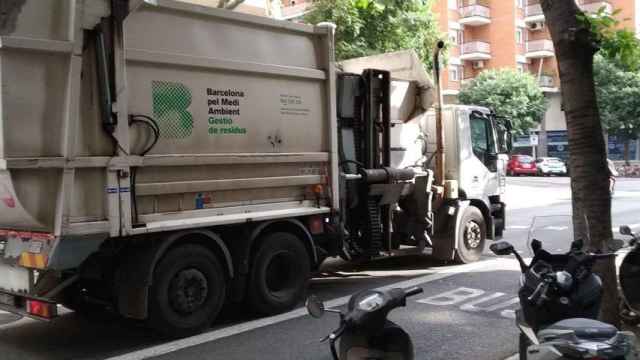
[{"x": 505, "y": 137}]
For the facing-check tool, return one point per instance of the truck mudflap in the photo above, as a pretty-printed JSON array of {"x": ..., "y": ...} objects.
[{"x": 448, "y": 218}]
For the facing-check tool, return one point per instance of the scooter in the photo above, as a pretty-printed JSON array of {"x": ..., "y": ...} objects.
[
  {"x": 629, "y": 277},
  {"x": 560, "y": 299},
  {"x": 365, "y": 333}
]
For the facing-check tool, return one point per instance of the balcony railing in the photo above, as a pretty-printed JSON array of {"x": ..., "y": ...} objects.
[
  {"x": 533, "y": 10},
  {"x": 547, "y": 81},
  {"x": 475, "y": 10},
  {"x": 593, "y": 6},
  {"x": 475, "y": 50},
  {"x": 476, "y": 47},
  {"x": 540, "y": 48}
]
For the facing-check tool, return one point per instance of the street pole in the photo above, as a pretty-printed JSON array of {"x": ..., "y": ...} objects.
[{"x": 440, "y": 157}]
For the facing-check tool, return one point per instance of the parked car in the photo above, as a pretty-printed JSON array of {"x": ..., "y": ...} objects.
[
  {"x": 547, "y": 166},
  {"x": 521, "y": 164}
]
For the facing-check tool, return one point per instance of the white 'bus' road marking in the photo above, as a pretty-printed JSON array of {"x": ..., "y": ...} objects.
[{"x": 256, "y": 324}]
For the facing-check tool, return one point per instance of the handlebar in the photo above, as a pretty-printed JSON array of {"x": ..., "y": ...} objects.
[
  {"x": 413, "y": 291},
  {"x": 540, "y": 294}
]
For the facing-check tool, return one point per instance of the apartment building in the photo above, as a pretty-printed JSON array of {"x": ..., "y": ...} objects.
[{"x": 492, "y": 34}]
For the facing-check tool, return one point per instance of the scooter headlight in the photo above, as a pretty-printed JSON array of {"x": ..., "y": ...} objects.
[
  {"x": 593, "y": 347},
  {"x": 371, "y": 302}
]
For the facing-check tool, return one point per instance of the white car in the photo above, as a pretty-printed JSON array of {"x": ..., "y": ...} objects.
[{"x": 550, "y": 166}]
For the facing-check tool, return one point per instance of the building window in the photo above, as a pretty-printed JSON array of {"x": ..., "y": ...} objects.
[
  {"x": 519, "y": 36},
  {"x": 454, "y": 73},
  {"x": 520, "y": 3}
]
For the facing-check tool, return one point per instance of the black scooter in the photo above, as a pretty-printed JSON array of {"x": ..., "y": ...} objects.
[
  {"x": 560, "y": 300},
  {"x": 629, "y": 277},
  {"x": 364, "y": 331}
]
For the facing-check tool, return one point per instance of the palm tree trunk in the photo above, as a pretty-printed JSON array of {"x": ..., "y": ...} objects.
[{"x": 574, "y": 47}]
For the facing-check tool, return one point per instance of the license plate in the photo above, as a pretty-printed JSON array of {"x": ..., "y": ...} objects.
[{"x": 7, "y": 299}]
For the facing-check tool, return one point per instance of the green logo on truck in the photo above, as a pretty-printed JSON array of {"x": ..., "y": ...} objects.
[{"x": 170, "y": 108}]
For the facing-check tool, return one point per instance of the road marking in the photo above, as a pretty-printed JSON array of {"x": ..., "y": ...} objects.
[
  {"x": 2, "y": 312},
  {"x": 518, "y": 227},
  {"x": 513, "y": 357},
  {"x": 256, "y": 324}
]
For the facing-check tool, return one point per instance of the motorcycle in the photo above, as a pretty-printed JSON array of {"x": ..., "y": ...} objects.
[
  {"x": 560, "y": 299},
  {"x": 364, "y": 332},
  {"x": 629, "y": 278}
]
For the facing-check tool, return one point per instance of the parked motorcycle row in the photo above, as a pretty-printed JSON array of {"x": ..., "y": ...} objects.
[{"x": 560, "y": 299}]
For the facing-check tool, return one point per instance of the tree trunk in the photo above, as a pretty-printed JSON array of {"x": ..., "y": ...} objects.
[
  {"x": 626, "y": 151},
  {"x": 574, "y": 47}
]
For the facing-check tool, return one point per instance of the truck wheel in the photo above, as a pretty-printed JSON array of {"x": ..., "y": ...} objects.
[
  {"x": 472, "y": 236},
  {"x": 187, "y": 293},
  {"x": 279, "y": 274}
]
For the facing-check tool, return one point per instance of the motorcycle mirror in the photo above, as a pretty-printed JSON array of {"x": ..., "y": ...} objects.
[
  {"x": 625, "y": 230},
  {"x": 315, "y": 307},
  {"x": 501, "y": 248},
  {"x": 536, "y": 245}
]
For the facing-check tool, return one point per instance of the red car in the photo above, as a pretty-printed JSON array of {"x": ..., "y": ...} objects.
[{"x": 521, "y": 164}]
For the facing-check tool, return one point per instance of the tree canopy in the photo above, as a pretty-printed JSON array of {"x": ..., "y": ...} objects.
[
  {"x": 618, "y": 92},
  {"x": 613, "y": 42},
  {"x": 509, "y": 93},
  {"x": 367, "y": 27}
]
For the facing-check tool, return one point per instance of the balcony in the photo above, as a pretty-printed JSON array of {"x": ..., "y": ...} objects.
[
  {"x": 547, "y": 83},
  {"x": 475, "y": 15},
  {"x": 539, "y": 49},
  {"x": 592, "y": 6},
  {"x": 533, "y": 13},
  {"x": 476, "y": 50}
]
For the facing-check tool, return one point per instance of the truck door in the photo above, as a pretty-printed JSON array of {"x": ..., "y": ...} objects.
[{"x": 479, "y": 166}]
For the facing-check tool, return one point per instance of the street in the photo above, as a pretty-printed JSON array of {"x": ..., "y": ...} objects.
[{"x": 465, "y": 311}]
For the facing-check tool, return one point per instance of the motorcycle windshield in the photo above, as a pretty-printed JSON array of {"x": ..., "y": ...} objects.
[{"x": 555, "y": 234}]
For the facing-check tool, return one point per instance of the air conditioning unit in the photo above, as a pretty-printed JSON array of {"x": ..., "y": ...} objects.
[
  {"x": 478, "y": 64},
  {"x": 536, "y": 26}
]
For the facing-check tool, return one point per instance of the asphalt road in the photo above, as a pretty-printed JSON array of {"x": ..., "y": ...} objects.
[{"x": 464, "y": 312}]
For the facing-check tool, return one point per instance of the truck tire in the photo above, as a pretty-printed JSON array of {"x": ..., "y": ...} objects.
[
  {"x": 187, "y": 293},
  {"x": 279, "y": 273},
  {"x": 472, "y": 236}
]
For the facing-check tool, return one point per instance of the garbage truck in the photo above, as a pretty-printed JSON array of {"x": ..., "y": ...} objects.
[{"x": 161, "y": 159}]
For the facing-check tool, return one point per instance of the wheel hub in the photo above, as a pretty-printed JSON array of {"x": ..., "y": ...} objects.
[
  {"x": 472, "y": 235},
  {"x": 188, "y": 290}
]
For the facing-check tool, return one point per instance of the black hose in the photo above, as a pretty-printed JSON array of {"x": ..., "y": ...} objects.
[{"x": 153, "y": 125}]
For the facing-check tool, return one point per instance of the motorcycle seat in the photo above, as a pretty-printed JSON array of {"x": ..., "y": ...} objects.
[{"x": 587, "y": 329}]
